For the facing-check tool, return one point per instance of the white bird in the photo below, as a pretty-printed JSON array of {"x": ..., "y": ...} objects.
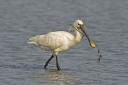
[{"x": 61, "y": 41}]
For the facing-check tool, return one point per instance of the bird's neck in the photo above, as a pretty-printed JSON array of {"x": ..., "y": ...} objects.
[{"x": 78, "y": 36}]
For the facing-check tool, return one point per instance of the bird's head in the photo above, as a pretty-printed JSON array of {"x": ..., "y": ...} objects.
[
  {"x": 80, "y": 27},
  {"x": 78, "y": 23}
]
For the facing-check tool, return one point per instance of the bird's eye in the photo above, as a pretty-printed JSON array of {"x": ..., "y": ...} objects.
[{"x": 79, "y": 24}]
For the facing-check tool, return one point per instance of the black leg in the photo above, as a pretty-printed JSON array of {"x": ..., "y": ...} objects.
[
  {"x": 57, "y": 64},
  {"x": 46, "y": 64}
]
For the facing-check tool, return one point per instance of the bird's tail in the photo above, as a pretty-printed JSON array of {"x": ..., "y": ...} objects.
[{"x": 33, "y": 40}]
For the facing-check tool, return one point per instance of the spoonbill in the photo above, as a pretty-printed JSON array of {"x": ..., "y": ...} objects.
[{"x": 60, "y": 41}]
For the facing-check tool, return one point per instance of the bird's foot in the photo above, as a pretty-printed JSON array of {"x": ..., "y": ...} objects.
[
  {"x": 58, "y": 68},
  {"x": 45, "y": 66}
]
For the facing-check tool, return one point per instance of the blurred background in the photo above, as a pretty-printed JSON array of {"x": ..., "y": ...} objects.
[{"x": 22, "y": 64}]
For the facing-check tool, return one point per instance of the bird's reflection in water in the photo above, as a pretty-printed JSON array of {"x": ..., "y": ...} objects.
[{"x": 54, "y": 77}]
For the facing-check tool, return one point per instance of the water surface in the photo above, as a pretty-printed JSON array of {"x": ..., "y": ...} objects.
[{"x": 22, "y": 64}]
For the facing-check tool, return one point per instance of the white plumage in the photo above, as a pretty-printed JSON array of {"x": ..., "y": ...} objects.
[{"x": 60, "y": 41}]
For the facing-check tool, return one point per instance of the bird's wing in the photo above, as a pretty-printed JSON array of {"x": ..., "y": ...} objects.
[
  {"x": 52, "y": 40},
  {"x": 55, "y": 40}
]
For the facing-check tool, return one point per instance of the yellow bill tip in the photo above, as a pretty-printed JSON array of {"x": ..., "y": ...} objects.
[{"x": 93, "y": 45}]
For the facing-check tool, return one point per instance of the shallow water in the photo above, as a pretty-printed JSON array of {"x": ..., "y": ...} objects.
[{"x": 22, "y": 64}]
